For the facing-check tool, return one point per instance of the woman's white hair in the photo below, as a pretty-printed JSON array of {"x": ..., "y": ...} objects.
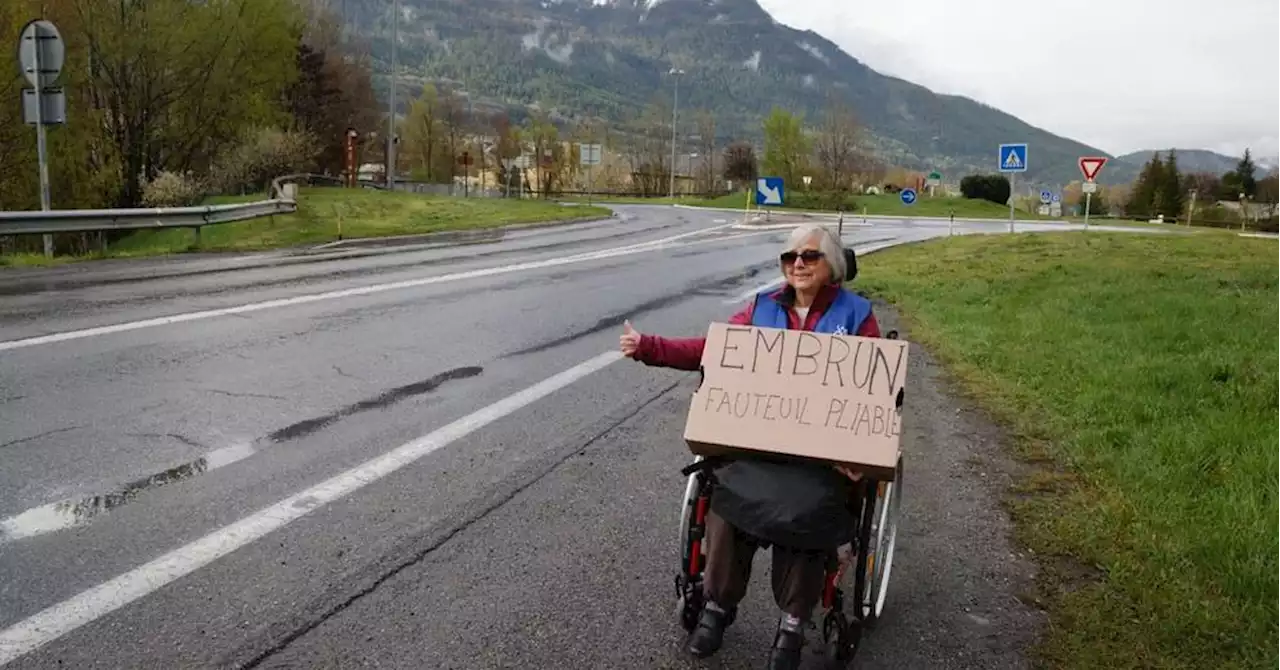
[{"x": 828, "y": 244}]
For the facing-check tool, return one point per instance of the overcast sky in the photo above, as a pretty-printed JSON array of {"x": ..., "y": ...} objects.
[{"x": 1119, "y": 75}]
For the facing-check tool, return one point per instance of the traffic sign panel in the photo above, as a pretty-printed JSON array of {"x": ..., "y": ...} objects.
[
  {"x": 1090, "y": 166},
  {"x": 41, "y": 52},
  {"x": 769, "y": 191},
  {"x": 1056, "y": 197},
  {"x": 1045, "y": 197},
  {"x": 908, "y": 196},
  {"x": 1013, "y": 157}
]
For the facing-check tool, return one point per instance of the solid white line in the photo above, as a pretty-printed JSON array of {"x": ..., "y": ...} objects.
[
  {"x": 42, "y": 628},
  {"x": 347, "y": 293}
]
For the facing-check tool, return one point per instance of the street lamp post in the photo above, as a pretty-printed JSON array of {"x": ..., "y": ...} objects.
[
  {"x": 675, "y": 105},
  {"x": 391, "y": 98}
]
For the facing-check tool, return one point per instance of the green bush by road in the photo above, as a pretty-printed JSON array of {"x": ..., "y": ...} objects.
[
  {"x": 359, "y": 212},
  {"x": 1138, "y": 376}
]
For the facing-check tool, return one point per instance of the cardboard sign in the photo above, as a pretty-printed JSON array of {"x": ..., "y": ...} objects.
[{"x": 834, "y": 398}]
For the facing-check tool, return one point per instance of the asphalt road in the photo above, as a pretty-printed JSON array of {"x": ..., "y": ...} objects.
[{"x": 422, "y": 457}]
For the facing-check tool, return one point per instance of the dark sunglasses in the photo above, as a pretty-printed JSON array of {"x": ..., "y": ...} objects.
[{"x": 809, "y": 256}]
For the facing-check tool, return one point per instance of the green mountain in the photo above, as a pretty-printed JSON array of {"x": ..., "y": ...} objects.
[
  {"x": 610, "y": 58},
  {"x": 1198, "y": 160}
]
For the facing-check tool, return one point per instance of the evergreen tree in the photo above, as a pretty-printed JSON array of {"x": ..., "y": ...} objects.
[
  {"x": 1240, "y": 180},
  {"x": 1142, "y": 197},
  {"x": 1170, "y": 191}
]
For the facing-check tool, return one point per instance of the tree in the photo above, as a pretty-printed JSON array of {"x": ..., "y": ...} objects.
[
  {"x": 785, "y": 145},
  {"x": 334, "y": 89},
  {"x": 1169, "y": 192},
  {"x": 836, "y": 146},
  {"x": 740, "y": 164},
  {"x": 707, "y": 178},
  {"x": 1240, "y": 180},
  {"x": 1142, "y": 198},
  {"x": 178, "y": 81},
  {"x": 420, "y": 135},
  {"x": 1207, "y": 185}
]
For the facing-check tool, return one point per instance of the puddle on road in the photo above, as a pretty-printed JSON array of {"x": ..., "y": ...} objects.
[{"x": 64, "y": 514}]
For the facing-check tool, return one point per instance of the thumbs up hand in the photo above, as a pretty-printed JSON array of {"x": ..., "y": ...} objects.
[{"x": 630, "y": 340}]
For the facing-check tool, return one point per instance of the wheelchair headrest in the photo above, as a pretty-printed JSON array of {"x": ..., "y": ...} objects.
[{"x": 851, "y": 264}]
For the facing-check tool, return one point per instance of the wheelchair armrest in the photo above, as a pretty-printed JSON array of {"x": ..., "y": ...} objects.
[{"x": 709, "y": 463}]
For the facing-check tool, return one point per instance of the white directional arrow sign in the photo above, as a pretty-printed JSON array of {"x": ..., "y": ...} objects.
[{"x": 771, "y": 192}]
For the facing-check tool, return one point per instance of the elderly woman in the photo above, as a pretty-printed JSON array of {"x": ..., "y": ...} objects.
[{"x": 799, "y": 508}]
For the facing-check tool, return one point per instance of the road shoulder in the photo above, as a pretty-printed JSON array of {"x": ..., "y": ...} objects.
[{"x": 580, "y": 564}]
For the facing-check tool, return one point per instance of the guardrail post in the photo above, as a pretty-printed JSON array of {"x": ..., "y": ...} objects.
[{"x": 197, "y": 229}]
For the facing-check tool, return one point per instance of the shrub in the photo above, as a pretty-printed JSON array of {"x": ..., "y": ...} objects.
[
  {"x": 992, "y": 187},
  {"x": 262, "y": 155},
  {"x": 172, "y": 189}
]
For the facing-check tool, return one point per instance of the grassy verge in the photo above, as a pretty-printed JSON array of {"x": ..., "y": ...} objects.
[
  {"x": 323, "y": 211},
  {"x": 1138, "y": 376}
]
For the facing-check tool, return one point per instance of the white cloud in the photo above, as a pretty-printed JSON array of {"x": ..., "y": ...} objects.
[{"x": 1118, "y": 74}]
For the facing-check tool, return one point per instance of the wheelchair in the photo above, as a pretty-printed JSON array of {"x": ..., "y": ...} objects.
[{"x": 876, "y": 506}]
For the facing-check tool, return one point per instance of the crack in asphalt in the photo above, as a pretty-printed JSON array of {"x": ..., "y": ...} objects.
[
  {"x": 46, "y": 433},
  {"x": 389, "y": 397},
  {"x": 437, "y": 537},
  {"x": 246, "y": 394}
]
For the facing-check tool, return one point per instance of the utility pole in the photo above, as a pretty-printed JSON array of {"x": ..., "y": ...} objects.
[
  {"x": 675, "y": 105},
  {"x": 391, "y": 98}
]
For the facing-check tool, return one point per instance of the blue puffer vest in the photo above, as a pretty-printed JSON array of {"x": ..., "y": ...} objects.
[{"x": 794, "y": 504}]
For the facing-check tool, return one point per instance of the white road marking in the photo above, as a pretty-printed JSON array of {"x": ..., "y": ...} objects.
[
  {"x": 347, "y": 293},
  {"x": 63, "y": 514},
  {"x": 58, "y": 620}
]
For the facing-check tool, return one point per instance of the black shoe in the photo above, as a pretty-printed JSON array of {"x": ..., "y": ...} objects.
[
  {"x": 709, "y": 634},
  {"x": 785, "y": 654}
]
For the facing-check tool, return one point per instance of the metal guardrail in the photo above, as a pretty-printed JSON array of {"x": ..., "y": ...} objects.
[{"x": 91, "y": 220}]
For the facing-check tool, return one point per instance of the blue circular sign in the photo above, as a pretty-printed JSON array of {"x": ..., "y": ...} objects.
[
  {"x": 908, "y": 196},
  {"x": 1045, "y": 197}
]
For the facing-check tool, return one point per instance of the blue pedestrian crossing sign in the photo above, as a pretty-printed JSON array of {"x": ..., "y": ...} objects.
[
  {"x": 769, "y": 191},
  {"x": 1013, "y": 157},
  {"x": 908, "y": 196}
]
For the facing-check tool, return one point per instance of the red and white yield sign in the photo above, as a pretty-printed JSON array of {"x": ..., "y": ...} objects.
[{"x": 1090, "y": 166}]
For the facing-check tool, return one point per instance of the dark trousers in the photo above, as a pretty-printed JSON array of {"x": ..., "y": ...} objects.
[{"x": 797, "y": 576}]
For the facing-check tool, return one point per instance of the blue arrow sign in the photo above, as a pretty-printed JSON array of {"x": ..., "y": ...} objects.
[
  {"x": 908, "y": 196},
  {"x": 1045, "y": 197},
  {"x": 769, "y": 191},
  {"x": 1013, "y": 157}
]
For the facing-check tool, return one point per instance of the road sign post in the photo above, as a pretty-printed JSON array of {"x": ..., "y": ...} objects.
[
  {"x": 41, "y": 53},
  {"x": 1090, "y": 166},
  {"x": 589, "y": 155},
  {"x": 1012, "y": 159}
]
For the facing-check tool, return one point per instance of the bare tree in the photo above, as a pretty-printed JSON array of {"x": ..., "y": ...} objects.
[
  {"x": 836, "y": 145},
  {"x": 707, "y": 179}
]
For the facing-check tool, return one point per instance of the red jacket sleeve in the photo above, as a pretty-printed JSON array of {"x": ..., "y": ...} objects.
[
  {"x": 681, "y": 353},
  {"x": 870, "y": 327}
]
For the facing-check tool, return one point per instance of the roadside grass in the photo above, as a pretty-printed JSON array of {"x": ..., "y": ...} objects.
[
  {"x": 1137, "y": 375},
  {"x": 887, "y": 204},
  {"x": 323, "y": 212}
]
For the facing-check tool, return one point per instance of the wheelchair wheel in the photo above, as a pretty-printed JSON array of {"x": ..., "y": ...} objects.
[
  {"x": 686, "y": 510},
  {"x": 884, "y": 533},
  {"x": 840, "y": 640}
]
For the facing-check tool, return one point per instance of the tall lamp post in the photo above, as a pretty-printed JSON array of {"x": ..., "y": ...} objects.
[
  {"x": 391, "y": 99},
  {"x": 675, "y": 105}
]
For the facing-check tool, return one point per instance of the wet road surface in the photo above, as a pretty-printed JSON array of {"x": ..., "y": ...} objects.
[{"x": 418, "y": 458}]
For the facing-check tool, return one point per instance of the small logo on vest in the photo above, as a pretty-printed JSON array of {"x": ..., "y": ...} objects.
[{"x": 840, "y": 330}]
